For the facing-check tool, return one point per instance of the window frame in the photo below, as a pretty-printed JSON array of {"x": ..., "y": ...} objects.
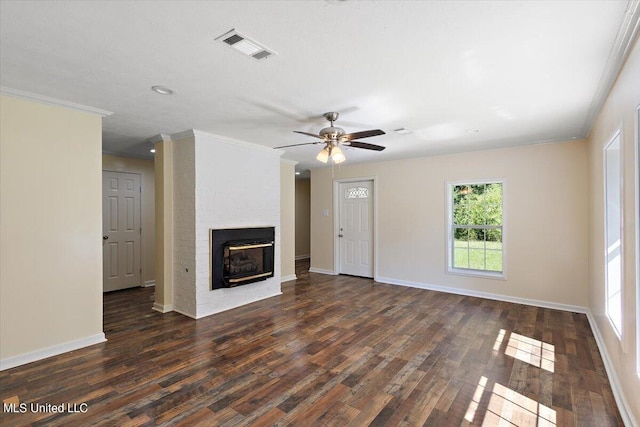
[
  {"x": 637, "y": 237},
  {"x": 449, "y": 244},
  {"x": 617, "y": 135}
]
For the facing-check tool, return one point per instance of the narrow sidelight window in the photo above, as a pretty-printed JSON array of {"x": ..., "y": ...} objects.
[{"x": 613, "y": 231}]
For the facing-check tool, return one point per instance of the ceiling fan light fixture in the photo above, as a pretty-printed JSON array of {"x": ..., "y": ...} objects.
[
  {"x": 323, "y": 155},
  {"x": 337, "y": 155}
]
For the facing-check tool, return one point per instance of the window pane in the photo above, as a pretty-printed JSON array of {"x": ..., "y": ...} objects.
[
  {"x": 477, "y": 190},
  {"x": 460, "y": 193},
  {"x": 476, "y": 212},
  {"x": 493, "y": 214},
  {"x": 460, "y": 215},
  {"x": 356, "y": 193},
  {"x": 613, "y": 236},
  {"x": 476, "y": 249},
  {"x": 494, "y": 259},
  {"x": 461, "y": 248},
  {"x": 476, "y": 259},
  {"x": 461, "y": 235}
]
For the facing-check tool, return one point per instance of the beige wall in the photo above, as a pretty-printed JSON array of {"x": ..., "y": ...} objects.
[
  {"x": 51, "y": 227},
  {"x": 546, "y": 221},
  {"x": 287, "y": 220},
  {"x": 303, "y": 218},
  {"x": 146, "y": 169},
  {"x": 163, "y": 167},
  {"x": 617, "y": 113}
]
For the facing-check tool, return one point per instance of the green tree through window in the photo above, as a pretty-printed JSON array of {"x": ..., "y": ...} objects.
[{"x": 476, "y": 227}]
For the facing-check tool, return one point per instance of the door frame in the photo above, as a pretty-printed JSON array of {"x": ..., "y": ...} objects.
[
  {"x": 336, "y": 221},
  {"x": 140, "y": 272}
]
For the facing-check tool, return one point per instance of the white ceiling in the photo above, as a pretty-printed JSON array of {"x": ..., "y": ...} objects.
[{"x": 521, "y": 72}]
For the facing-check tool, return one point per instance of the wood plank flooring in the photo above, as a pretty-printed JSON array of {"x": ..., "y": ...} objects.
[{"x": 330, "y": 351}]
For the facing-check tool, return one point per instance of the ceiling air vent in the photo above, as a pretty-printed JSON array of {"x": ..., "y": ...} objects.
[{"x": 245, "y": 45}]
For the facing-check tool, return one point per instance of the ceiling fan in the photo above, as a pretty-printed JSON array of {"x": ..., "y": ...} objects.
[{"x": 332, "y": 137}]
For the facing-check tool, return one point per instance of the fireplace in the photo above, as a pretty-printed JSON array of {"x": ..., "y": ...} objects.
[{"x": 240, "y": 256}]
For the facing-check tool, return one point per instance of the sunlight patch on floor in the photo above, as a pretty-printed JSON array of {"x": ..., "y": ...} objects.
[{"x": 532, "y": 351}]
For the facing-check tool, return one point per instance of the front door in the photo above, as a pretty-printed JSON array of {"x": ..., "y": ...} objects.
[
  {"x": 121, "y": 230},
  {"x": 356, "y": 228}
]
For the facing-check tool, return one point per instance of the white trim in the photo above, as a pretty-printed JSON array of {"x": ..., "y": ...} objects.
[
  {"x": 161, "y": 137},
  {"x": 322, "y": 271},
  {"x": 149, "y": 283},
  {"x": 184, "y": 313},
  {"x": 288, "y": 278},
  {"x": 336, "y": 221},
  {"x": 619, "y": 52},
  {"x": 28, "y": 96},
  {"x": 487, "y": 295},
  {"x": 162, "y": 308},
  {"x": 32, "y": 356},
  {"x": 194, "y": 133},
  {"x": 299, "y": 257},
  {"x": 618, "y": 394}
]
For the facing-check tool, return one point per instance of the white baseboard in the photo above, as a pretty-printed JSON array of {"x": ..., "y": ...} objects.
[
  {"x": 32, "y": 356},
  {"x": 487, "y": 295},
  {"x": 162, "y": 308},
  {"x": 184, "y": 313},
  {"x": 149, "y": 283},
  {"x": 321, "y": 271},
  {"x": 299, "y": 257},
  {"x": 288, "y": 278},
  {"x": 618, "y": 394}
]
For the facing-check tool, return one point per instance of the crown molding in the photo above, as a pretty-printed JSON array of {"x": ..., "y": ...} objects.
[
  {"x": 627, "y": 35},
  {"x": 194, "y": 133},
  {"x": 161, "y": 137},
  {"x": 21, "y": 94}
]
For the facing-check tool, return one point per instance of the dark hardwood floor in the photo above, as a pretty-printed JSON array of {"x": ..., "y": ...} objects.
[{"x": 330, "y": 351}]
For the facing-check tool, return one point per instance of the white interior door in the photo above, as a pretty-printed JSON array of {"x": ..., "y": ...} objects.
[
  {"x": 356, "y": 228},
  {"x": 121, "y": 225}
]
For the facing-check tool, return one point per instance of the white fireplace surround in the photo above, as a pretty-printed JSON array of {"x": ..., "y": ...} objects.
[{"x": 220, "y": 183}]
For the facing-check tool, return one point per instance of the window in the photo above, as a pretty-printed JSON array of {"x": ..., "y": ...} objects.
[
  {"x": 637, "y": 205},
  {"x": 356, "y": 193},
  {"x": 613, "y": 231},
  {"x": 475, "y": 228}
]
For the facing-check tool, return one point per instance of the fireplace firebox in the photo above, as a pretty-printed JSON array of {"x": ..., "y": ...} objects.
[{"x": 240, "y": 256}]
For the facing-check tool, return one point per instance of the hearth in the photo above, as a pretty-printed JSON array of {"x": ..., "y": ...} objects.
[{"x": 240, "y": 256}]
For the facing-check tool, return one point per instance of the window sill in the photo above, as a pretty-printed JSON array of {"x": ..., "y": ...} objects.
[{"x": 477, "y": 273}]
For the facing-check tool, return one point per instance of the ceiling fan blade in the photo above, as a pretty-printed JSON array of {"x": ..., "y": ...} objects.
[
  {"x": 310, "y": 134},
  {"x": 358, "y": 144},
  {"x": 362, "y": 134},
  {"x": 296, "y": 145}
]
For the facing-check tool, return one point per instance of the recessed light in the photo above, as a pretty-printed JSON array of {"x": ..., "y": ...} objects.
[
  {"x": 153, "y": 150},
  {"x": 162, "y": 90},
  {"x": 403, "y": 131},
  {"x": 472, "y": 130},
  {"x": 297, "y": 173}
]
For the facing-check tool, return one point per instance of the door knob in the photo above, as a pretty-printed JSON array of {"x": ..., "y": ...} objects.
[
  {"x": 105, "y": 237},
  {"x": 340, "y": 235}
]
